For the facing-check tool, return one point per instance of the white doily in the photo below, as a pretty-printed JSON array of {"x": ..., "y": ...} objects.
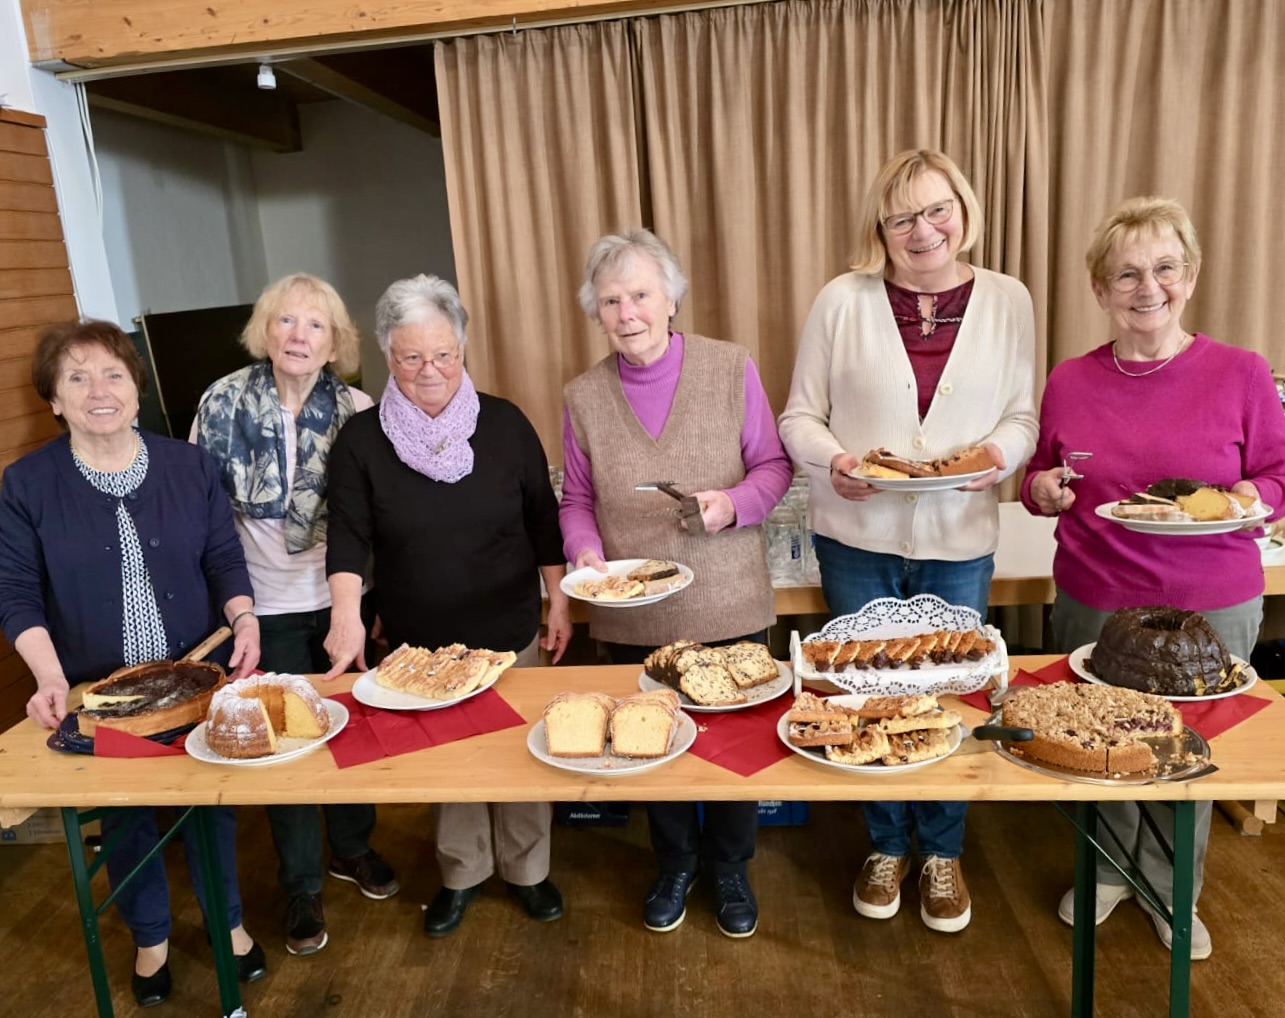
[{"x": 889, "y": 618}]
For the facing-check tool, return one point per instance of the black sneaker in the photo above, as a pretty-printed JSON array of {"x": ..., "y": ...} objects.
[
  {"x": 738, "y": 911},
  {"x": 369, "y": 872},
  {"x": 305, "y": 924},
  {"x": 665, "y": 906}
]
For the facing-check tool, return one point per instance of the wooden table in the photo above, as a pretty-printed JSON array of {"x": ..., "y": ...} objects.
[{"x": 498, "y": 767}]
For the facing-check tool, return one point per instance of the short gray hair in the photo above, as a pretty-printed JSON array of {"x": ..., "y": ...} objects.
[
  {"x": 415, "y": 299},
  {"x": 609, "y": 253}
]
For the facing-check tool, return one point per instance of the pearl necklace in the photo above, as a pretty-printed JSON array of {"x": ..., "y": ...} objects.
[{"x": 1182, "y": 345}]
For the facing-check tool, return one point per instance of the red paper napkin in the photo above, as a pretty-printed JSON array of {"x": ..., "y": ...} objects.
[
  {"x": 741, "y": 741},
  {"x": 372, "y": 734},
  {"x": 114, "y": 743},
  {"x": 1208, "y": 717}
]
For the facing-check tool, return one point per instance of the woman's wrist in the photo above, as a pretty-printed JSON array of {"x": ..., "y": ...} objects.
[{"x": 247, "y": 613}]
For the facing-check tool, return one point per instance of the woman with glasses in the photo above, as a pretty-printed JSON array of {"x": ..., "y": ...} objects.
[
  {"x": 918, "y": 352},
  {"x": 445, "y": 491},
  {"x": 1155, "y": 402},
  {"x": 270, "y": 428}
]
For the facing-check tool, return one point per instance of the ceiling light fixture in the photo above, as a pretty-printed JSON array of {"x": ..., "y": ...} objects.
[{"x": 267, "y": 77}]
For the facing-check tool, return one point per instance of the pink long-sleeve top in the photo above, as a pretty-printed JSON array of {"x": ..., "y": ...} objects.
[
  {"x": 650, "y": 390},
  {"x": 1212, "y": 414}
]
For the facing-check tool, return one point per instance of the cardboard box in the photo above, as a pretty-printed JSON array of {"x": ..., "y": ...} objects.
[
  {"x": 591, "y": 814},
  {"x": 44, "y": 827}
]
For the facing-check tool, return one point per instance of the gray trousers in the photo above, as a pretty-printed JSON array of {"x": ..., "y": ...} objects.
[
  {"x": 474, "y": 839},
  {"x": 1074, "y": 625}
]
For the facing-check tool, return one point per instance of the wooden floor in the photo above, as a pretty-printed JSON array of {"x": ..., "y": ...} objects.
[{"x": 812, "y": 955}]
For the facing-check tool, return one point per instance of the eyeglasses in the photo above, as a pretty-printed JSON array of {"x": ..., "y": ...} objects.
[
  {"x": 935, "y": 214},
  {"x": 414, "y": 362},
  {"x": 1165, "y": 273}
]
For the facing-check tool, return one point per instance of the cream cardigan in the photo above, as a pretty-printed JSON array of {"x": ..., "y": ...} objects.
[{"x": 853, "y": 390}]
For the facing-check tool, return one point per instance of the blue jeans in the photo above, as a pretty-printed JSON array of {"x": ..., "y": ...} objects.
[
  {"x": 294, "y": 643},
  {"x": 852, "y": 578}
]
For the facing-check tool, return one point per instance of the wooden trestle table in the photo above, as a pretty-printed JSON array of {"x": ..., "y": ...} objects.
[{"x": 498, "y": 767}]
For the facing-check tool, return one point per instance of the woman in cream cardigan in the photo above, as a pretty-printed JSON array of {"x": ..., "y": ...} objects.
[{"x": 920, "y": 353}]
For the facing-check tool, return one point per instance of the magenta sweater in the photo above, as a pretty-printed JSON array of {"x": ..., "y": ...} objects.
[
  {"x": 650, "y": 392},
  {"x": 1212, "y": 414}
]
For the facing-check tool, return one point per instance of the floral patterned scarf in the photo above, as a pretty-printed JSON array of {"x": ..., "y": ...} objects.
[{"x": 239, "y": 424}]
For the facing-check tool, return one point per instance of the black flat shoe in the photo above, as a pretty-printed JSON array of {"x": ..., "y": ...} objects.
[
  {"x": 252, "y": 965},
  {"x": 447, "y": 909},
  {"x": 541, "y": 901},
  {"x": 154, "y": 989}
]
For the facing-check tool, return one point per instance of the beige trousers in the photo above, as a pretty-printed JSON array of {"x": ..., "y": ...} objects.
[{"x": 474, "y": 839}]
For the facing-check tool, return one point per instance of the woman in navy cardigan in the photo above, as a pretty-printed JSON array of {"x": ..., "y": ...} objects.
[{"x": 118, "y": 548}]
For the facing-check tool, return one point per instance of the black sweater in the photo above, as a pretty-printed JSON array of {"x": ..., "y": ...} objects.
[{"x": 453, "y": 563}]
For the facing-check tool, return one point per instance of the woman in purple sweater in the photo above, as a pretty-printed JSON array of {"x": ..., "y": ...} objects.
[{"x": 1156, "y": 402}]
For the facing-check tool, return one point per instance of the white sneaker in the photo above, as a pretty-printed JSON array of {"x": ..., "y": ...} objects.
[
  {"x": 1108, "y": 897},
  {"x": 1201, "y": 946}
]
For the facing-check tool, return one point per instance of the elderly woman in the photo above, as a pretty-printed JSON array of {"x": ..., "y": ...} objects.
[
  {"x": 1157, "y": 401},
  {"x": 448, "y": 489},
  {"x": 916, "y": 351},
  {"x": 172, "y": 572},
  {"x": 270, "y": 427},
  {"x": 689, "y": 409}
]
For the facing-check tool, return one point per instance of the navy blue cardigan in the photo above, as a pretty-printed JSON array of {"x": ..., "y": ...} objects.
[{"x": 60, "y": 560}]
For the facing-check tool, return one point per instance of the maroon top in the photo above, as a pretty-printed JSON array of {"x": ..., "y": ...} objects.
[{"x": 929, "y": 339}]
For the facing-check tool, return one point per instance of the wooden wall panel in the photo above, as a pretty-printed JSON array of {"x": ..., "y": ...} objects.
[{"x": 35, "y": 291}]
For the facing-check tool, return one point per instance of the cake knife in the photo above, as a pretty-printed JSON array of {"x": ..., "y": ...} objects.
[{"x": 689, "y": 509}]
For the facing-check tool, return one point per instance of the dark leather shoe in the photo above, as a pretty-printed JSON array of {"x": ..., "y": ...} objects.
[
  {"x": 738, "y": 911},
  {"x": 447, "y": 909},
  {"x": 541, "y": 901},
  {"x": 252, "y": 965},
  {"x": 665, "y": 906},
  {"x": 154, "y": 989}
]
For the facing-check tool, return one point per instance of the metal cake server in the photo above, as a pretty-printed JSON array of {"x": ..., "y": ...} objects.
[{"x": 688, "y": 511}]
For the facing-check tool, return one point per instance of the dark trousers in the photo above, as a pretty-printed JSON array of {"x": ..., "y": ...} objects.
[
  {"x": 144, "y": 903},
  {"x": 731, "y": 828},
  {"x": 294, "y": 643}
]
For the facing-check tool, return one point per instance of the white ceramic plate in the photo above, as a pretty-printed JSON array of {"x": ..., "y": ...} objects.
[
  {"x": 753, "y": 696},
  {"x": 287, "y": 749},
  {"x": 1176, "y": 528},
  {"x": 919, "y": 483},
  {"x": 817, "y": 753},
  {"x": 608, "y": 766},
  {"x": 366, "y": 690},
  {"x": 1079, "y": 662},
  {"x": 619, "y": 567},
  {"x": 888, "y": 618}
]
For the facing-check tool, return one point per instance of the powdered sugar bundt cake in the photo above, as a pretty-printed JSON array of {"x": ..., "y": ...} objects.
[{"x": 248, "y": 716}]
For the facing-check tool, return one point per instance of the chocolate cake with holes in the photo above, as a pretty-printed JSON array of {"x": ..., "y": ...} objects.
[
  {"x": 1162, "y": 650},
  {"x": 1095, "y": 729}
]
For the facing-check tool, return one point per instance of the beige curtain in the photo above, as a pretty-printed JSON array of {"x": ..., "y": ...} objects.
[{"x": 539, "y": 131}]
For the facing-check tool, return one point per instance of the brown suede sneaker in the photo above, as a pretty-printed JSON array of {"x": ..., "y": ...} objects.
[
  {"x": 877, "y": 892},
  {"x": 944, "y": 902}
]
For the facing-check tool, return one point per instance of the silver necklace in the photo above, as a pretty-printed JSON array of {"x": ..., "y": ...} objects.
[{"x": 1150, "y": 371}]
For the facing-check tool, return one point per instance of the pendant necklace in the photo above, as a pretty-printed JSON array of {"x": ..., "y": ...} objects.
[{"x": 930, "y": 321}]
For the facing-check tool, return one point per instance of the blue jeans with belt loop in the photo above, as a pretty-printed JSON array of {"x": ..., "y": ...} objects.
[{"x": 850, "y": 579}]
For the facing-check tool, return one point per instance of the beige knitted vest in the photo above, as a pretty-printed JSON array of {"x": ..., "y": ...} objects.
[{"x": 699, "y": 449}]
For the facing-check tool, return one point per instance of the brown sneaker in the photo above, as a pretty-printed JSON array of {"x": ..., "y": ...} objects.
[
  {"x": 373, "y": 876},
  {"x": 944, "y": 902},
  {"x": 877, "y": 892},
  {"x": 305, "y": 924}
]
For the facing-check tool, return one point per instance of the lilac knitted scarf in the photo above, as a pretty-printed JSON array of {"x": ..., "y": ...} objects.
[{"x": 437, "y": 447}]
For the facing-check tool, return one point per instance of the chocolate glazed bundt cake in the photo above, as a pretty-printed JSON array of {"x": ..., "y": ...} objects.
[{"x": 1162, "y": 650}]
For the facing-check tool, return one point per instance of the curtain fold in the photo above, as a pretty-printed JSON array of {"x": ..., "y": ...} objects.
[{"x": 540, "y": 140}]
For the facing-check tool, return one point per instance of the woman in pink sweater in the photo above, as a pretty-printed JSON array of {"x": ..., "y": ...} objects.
[{"x": 1156, "y": 402}]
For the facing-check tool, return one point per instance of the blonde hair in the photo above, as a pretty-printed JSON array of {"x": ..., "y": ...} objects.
[
  {"x": 347, "y": 339},
  {"x": 892, "y": 185},
  {"x": 1134, "y": 217}
]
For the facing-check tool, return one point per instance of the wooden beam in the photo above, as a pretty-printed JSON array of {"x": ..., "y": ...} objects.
[
  {"x": 100, "y": 33},
  {"x": 219, "y": 101},
  {"x": 398, "y": 83}
]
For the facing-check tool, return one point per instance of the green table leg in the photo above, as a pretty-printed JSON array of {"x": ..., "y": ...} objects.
[
  {"x": 1184, "y": 850},
  {"x": 88, "y": 911},
  {"x": 1085, "y": 931},
  {"x": 217, "y": 904}
]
